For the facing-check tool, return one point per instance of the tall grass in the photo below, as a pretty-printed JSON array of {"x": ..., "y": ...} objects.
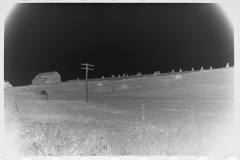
[{"x": 90, "y": 136}]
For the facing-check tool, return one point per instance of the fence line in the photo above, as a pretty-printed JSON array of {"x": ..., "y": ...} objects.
[{"x": 136, "y": 106}]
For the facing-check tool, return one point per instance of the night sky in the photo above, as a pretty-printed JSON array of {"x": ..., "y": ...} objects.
[{"x": 115, "y": 37}]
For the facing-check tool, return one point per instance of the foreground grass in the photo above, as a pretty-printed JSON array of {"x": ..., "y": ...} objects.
[{"x": 55, "y": 135}]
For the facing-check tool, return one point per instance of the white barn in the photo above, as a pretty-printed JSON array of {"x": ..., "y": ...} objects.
[{"x": 47, "y": 78}]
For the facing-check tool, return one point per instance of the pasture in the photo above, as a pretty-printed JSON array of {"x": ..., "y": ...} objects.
[{"x": 158, "y": 115}]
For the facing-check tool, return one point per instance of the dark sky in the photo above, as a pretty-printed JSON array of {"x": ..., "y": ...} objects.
[{"x": 117, "y": 38}]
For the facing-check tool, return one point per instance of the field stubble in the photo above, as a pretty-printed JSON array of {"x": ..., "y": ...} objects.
[{"x": 80, "y": 134}]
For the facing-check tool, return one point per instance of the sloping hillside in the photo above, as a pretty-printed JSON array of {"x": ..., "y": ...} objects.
[
  {"x": 196, "y": 110},
  {"x": 208, "y": 81}
]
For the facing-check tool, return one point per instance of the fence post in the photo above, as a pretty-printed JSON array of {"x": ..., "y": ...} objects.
[
  {"x": 144, "y": 123},
  {"x": 192, "y": 110},
  {"x": 85, "y": 110},
  {"x": 67, "y": 106},
  {"x": 143, "y": 115},
  {"x": 16, "y": 106},
  {"x": 105, "y": 109}
]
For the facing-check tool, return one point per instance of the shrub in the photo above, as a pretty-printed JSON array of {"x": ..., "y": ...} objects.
[{"x": 7, "y": 84}]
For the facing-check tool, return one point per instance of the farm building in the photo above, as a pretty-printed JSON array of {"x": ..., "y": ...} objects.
[{"x": 47, "y": 78}]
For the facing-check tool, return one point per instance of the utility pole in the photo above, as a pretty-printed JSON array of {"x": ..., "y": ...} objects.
[{"x": 87, "y": 78}]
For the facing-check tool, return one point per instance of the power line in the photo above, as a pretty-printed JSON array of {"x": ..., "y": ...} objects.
[
  {"x": 214, "y": 52},
  {"x": 153, "y": 60},
  {"x": 159, "y": 59}
]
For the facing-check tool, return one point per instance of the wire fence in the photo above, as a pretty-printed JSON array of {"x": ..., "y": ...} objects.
[{"x": 113, "y": 109}]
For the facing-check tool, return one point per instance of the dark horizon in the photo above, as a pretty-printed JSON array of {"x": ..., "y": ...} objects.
[{"x": 116, "y": 38}]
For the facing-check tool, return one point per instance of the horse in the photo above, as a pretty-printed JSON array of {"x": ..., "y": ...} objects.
[{"x": 44, "y": 95}]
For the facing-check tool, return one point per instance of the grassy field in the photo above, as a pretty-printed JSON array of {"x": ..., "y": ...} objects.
[{"x": 142, "y": 116}]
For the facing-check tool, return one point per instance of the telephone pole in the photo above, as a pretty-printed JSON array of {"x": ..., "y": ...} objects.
[{"x": 87, "y": 78}]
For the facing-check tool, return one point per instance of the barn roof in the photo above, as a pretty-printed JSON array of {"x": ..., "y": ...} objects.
[{"x": 46, "y": 74}]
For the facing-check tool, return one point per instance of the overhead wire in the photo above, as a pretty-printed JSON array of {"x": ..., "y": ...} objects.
[
  {"x": 138, "y": 62},
  {"x": 153, "y": 60},
  {"x": 159, "y": 59}
]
